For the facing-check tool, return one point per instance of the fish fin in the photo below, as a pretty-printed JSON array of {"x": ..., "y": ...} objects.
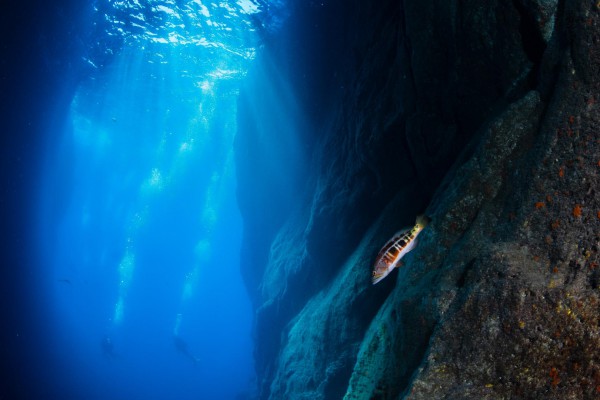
[
  {"x": 423, "y": 220},
  {"x": 399, "y": 264},
  {"x": 399, "y": 233}
]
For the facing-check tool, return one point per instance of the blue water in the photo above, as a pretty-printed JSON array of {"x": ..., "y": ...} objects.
[{"x": 139, "y": 227}]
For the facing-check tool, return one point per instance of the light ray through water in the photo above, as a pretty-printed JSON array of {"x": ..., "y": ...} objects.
[{"x": 149, "y": 238}]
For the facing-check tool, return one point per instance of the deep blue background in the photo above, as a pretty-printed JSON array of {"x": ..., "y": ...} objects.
[
  {"x": 27, "y": 80},
  {"x": 60, "y": 264}
]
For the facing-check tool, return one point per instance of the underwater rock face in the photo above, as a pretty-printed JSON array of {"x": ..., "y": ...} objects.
[{"x": 484, "y": 114}]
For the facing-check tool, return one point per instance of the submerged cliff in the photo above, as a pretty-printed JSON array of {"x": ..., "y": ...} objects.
[{"x": 483, "y": 115}]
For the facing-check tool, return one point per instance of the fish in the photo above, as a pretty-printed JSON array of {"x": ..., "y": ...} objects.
[{"x": 392, "y": 252}]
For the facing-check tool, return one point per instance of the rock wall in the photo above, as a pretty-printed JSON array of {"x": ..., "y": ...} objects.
[{"x": 484, "y": 115}]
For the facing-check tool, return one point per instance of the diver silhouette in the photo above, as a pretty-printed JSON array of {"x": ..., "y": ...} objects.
[
  {"x": 182, "y": 346},
  {"x": 108, "y": 348}
]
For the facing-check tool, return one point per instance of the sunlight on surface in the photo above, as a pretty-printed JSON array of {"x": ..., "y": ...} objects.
[{"x": 168, "y": 121}]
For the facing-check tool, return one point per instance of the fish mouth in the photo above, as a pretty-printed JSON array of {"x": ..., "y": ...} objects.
[{"x": 377, "y": 279}]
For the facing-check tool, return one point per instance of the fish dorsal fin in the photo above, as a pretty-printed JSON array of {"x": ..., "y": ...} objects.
[{"x": 402, "y": 231}]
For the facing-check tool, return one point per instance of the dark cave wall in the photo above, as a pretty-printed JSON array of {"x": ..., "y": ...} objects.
[
  {"x": 500, "y": 300},
  {"x": 449, "y": 107},
  {"x": 39, "y": 57}
]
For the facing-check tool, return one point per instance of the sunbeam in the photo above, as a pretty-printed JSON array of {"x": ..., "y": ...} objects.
[{"x": 149, "y": 239}]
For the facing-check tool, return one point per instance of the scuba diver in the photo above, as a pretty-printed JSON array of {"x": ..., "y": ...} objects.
[
  {"x": 108, "y": 348},
  {"x": 182, "y": 346}
]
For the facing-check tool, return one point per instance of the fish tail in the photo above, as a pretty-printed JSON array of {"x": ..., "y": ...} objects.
[{"x": 422, "y": 220}]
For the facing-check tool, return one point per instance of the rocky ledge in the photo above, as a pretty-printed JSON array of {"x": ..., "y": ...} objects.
[{"x": 483, "y": 115}]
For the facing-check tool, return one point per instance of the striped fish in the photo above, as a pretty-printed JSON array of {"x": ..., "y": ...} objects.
[{"x": 403, "y": 241}]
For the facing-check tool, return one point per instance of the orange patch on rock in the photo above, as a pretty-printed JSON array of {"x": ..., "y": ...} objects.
[
  {"x": 561, "y": 172},
  {"x": 539, "y": 204},
  {"x": 577, "y": 211},
  {"x": 554, "y": 376}
]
